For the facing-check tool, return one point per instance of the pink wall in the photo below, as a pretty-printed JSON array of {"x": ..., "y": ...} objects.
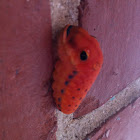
[
  {"x": 26, "y": 109},
  {"x": 116, "y": 25}
]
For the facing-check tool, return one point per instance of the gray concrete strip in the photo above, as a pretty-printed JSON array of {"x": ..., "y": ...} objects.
[
  {"x": 77, "y": 129},
  {"x": 124, "y": 125},
  {"x": 63, "y": 12}
]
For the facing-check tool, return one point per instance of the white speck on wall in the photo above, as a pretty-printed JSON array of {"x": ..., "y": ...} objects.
[{"x": 107, "y": 133}]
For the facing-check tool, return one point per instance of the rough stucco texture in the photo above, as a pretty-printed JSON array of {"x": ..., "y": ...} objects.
[
  {"x": 124, "y": 126},
  {"x": 115, "y": 24},
  {"x": 26, "y": 108}
]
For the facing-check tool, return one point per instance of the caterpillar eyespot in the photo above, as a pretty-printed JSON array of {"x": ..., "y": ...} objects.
[
  {"x": 83, "y": 56},
  {"x": 80, "y": 62}
]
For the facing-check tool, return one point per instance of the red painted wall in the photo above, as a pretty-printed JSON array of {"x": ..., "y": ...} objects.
[
  {"x": 116, "y": 26},
  {"x": 26, "y": 109}
]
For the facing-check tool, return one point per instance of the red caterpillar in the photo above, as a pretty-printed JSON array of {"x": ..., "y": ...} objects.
[{"x": 79, "y": 64}]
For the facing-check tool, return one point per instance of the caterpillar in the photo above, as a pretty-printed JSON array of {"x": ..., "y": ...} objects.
[{"x": 80, "y": 61}]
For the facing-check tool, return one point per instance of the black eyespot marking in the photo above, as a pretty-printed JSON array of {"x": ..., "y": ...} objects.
[
  {"x": 73, "y": 97},
  {"x": 70, "y": 76},
  {"x": 78, "y": 88},
  {"x": 83, "y": 56},
  {"x": 59, "y": 99},
  {"x": 68, "y": 29},
  {"x": 62, "y": 91},
  {"x": 59, "y": 105},
  {"x": 75, "y": 72},
  {"x": 69, "y": 105},
  {"x": 85, "y": 90},
  {"x": 66, "y": 83}
]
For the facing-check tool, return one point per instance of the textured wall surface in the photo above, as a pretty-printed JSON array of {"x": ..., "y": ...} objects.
[
  {"x": 26, "y": 108},
  {"x": 63, "y": 12},
  {"x": 84, "y": 127},
  {"x": 116, "y": 25},
  {"x": 124, "y": 126}
]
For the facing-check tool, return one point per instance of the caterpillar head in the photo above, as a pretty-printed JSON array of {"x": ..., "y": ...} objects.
[{"x": 81, "y": 49}]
